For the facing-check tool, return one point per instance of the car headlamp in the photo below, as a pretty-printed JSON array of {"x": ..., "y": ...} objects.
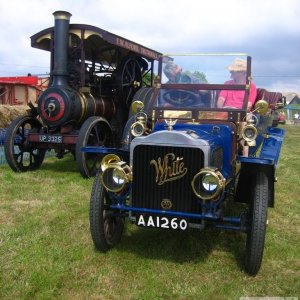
[
  {"x": 115, "y": 173},
  {"x": 249, "y": 134},
  {"x": 116, "y": 176},
  {"x": 208, "y": 184},
  {"x": 138, "y": 129},
  {"x": 108, "y": 159}
]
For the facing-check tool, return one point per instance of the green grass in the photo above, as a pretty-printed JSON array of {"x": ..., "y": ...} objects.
[{"x": 46, "y": 251}]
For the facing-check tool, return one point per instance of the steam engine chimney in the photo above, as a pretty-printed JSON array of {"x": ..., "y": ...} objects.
[
  {"x": 62, "y": 104},
  {"x": 61, "y": 39}
]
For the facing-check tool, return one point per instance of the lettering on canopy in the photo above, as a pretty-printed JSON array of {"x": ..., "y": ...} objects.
[{"x": 136, "y": 48}]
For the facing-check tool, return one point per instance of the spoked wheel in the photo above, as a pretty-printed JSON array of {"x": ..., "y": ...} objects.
[
  {"x": 95, "y": 131},
  {"x": 257, "y": 223},
  {"x": 129, "y": 78},
  {"x": 106, "y": 226},
  {"x": 20, "y": 155}
]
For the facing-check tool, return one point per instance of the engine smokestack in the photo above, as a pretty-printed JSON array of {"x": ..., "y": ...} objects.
[{"x": 61, "y": 40}]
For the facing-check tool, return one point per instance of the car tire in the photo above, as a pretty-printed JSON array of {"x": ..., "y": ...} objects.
[
  {"x": 106, "y": 225},
  {"x": 258, "y": 206}
]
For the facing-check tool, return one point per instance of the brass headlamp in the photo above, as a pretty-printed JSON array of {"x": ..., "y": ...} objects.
[
  {"x": 249, "y": 134},
  {"x": 208, "y": 184},
  {"x": 139, "y": 128},
  {"x": 116, "y": 174}
]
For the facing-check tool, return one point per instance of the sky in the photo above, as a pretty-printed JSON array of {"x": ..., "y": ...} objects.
[{"x": 268, "y": 30}]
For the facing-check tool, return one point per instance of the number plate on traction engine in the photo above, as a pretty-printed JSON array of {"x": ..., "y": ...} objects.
[
  {"x": 48, "y": 138},
  {"x": 161, "y": 222}
]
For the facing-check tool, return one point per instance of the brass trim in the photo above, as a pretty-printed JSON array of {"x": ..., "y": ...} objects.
[
  {"x": 83, "y": 101},
  {"x": 166, "y": 204},
  {"x": 168, "y": 168},
  {"x": 136, "y": 125},
  {"x": 108, "y": 159},
  {"x": 137, "y": 106},
  {"x": 261, "y": 106},
  {"x": 252, "y": 127},
  {"x": 126, "y": 175},
  {"x": 153, "y": 118},
  {"x": 213, "y": 115},
  {"x": 220, "y": 183},
  {"x": 177, "y": 114}
]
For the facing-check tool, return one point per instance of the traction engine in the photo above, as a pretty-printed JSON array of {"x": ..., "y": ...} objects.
[{"x": 94, "y": 76}]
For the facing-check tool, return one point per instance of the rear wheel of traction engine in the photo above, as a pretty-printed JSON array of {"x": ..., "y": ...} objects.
[
  {"x": 106, "y": 227},
  {"x": 95, "y": 131},
  {"x": 258, "y": 206},
  {"x": 129, "y": 78},
  {"x": 19, "y": 154}
]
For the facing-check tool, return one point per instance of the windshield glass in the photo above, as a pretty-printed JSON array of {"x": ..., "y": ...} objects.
[{"x": 208, "y": 82}]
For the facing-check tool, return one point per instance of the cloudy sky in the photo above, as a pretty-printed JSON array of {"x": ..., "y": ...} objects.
[{"x": 268, "y": 30}]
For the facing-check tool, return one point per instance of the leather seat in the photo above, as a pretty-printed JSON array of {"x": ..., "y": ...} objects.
[{"x": 271, "y": 97}]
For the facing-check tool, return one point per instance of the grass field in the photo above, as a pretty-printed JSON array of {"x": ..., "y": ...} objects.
[{"x": 46, "y": 251}]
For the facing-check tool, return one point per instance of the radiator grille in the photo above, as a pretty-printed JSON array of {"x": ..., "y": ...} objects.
[
  {"x": 217, "y": 158},
  {"x": 147, "y": 193}
]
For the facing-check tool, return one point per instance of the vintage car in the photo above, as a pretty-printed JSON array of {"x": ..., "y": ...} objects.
[{"x": 184, "y": 156}]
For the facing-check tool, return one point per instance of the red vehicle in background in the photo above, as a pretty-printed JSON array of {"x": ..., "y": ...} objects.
[
  {"x": 281, "y": 118},
  {"x": 21, "y": 90}
]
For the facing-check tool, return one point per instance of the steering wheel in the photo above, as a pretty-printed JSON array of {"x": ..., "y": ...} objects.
[{"x": 181, "y": 97}]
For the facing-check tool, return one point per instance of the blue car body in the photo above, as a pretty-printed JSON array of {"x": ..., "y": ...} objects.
[{"x": 183, "y": 158}]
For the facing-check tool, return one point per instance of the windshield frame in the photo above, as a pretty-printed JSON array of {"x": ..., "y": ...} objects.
[{"x": 233, "y": 114}]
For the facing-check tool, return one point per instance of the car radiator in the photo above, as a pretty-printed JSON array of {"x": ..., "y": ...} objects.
[{"x": 165, "y": 173}]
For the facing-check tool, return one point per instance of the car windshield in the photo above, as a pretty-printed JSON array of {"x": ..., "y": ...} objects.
[{"x": 215, "y": 82}]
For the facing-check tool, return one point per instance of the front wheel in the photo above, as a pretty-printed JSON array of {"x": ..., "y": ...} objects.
[
  {"x": 258, "y": 206},
  {"x": 21, "y": 155},
  {"x": 106, "y": 225}
]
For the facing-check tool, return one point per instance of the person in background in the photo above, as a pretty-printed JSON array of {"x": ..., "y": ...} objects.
[
  {"x": 175, "y": 75},
  {"x": 235, "y": 98},
  {"x": 172, "y": 71}
]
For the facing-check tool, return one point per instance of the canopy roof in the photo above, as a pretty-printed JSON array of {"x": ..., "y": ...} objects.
[{"x": 99, "y": 44}]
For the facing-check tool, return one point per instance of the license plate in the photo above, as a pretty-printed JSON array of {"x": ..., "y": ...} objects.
[
  {"x": 161, "y": 222},
  {"x": 48, "y": 138}
]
